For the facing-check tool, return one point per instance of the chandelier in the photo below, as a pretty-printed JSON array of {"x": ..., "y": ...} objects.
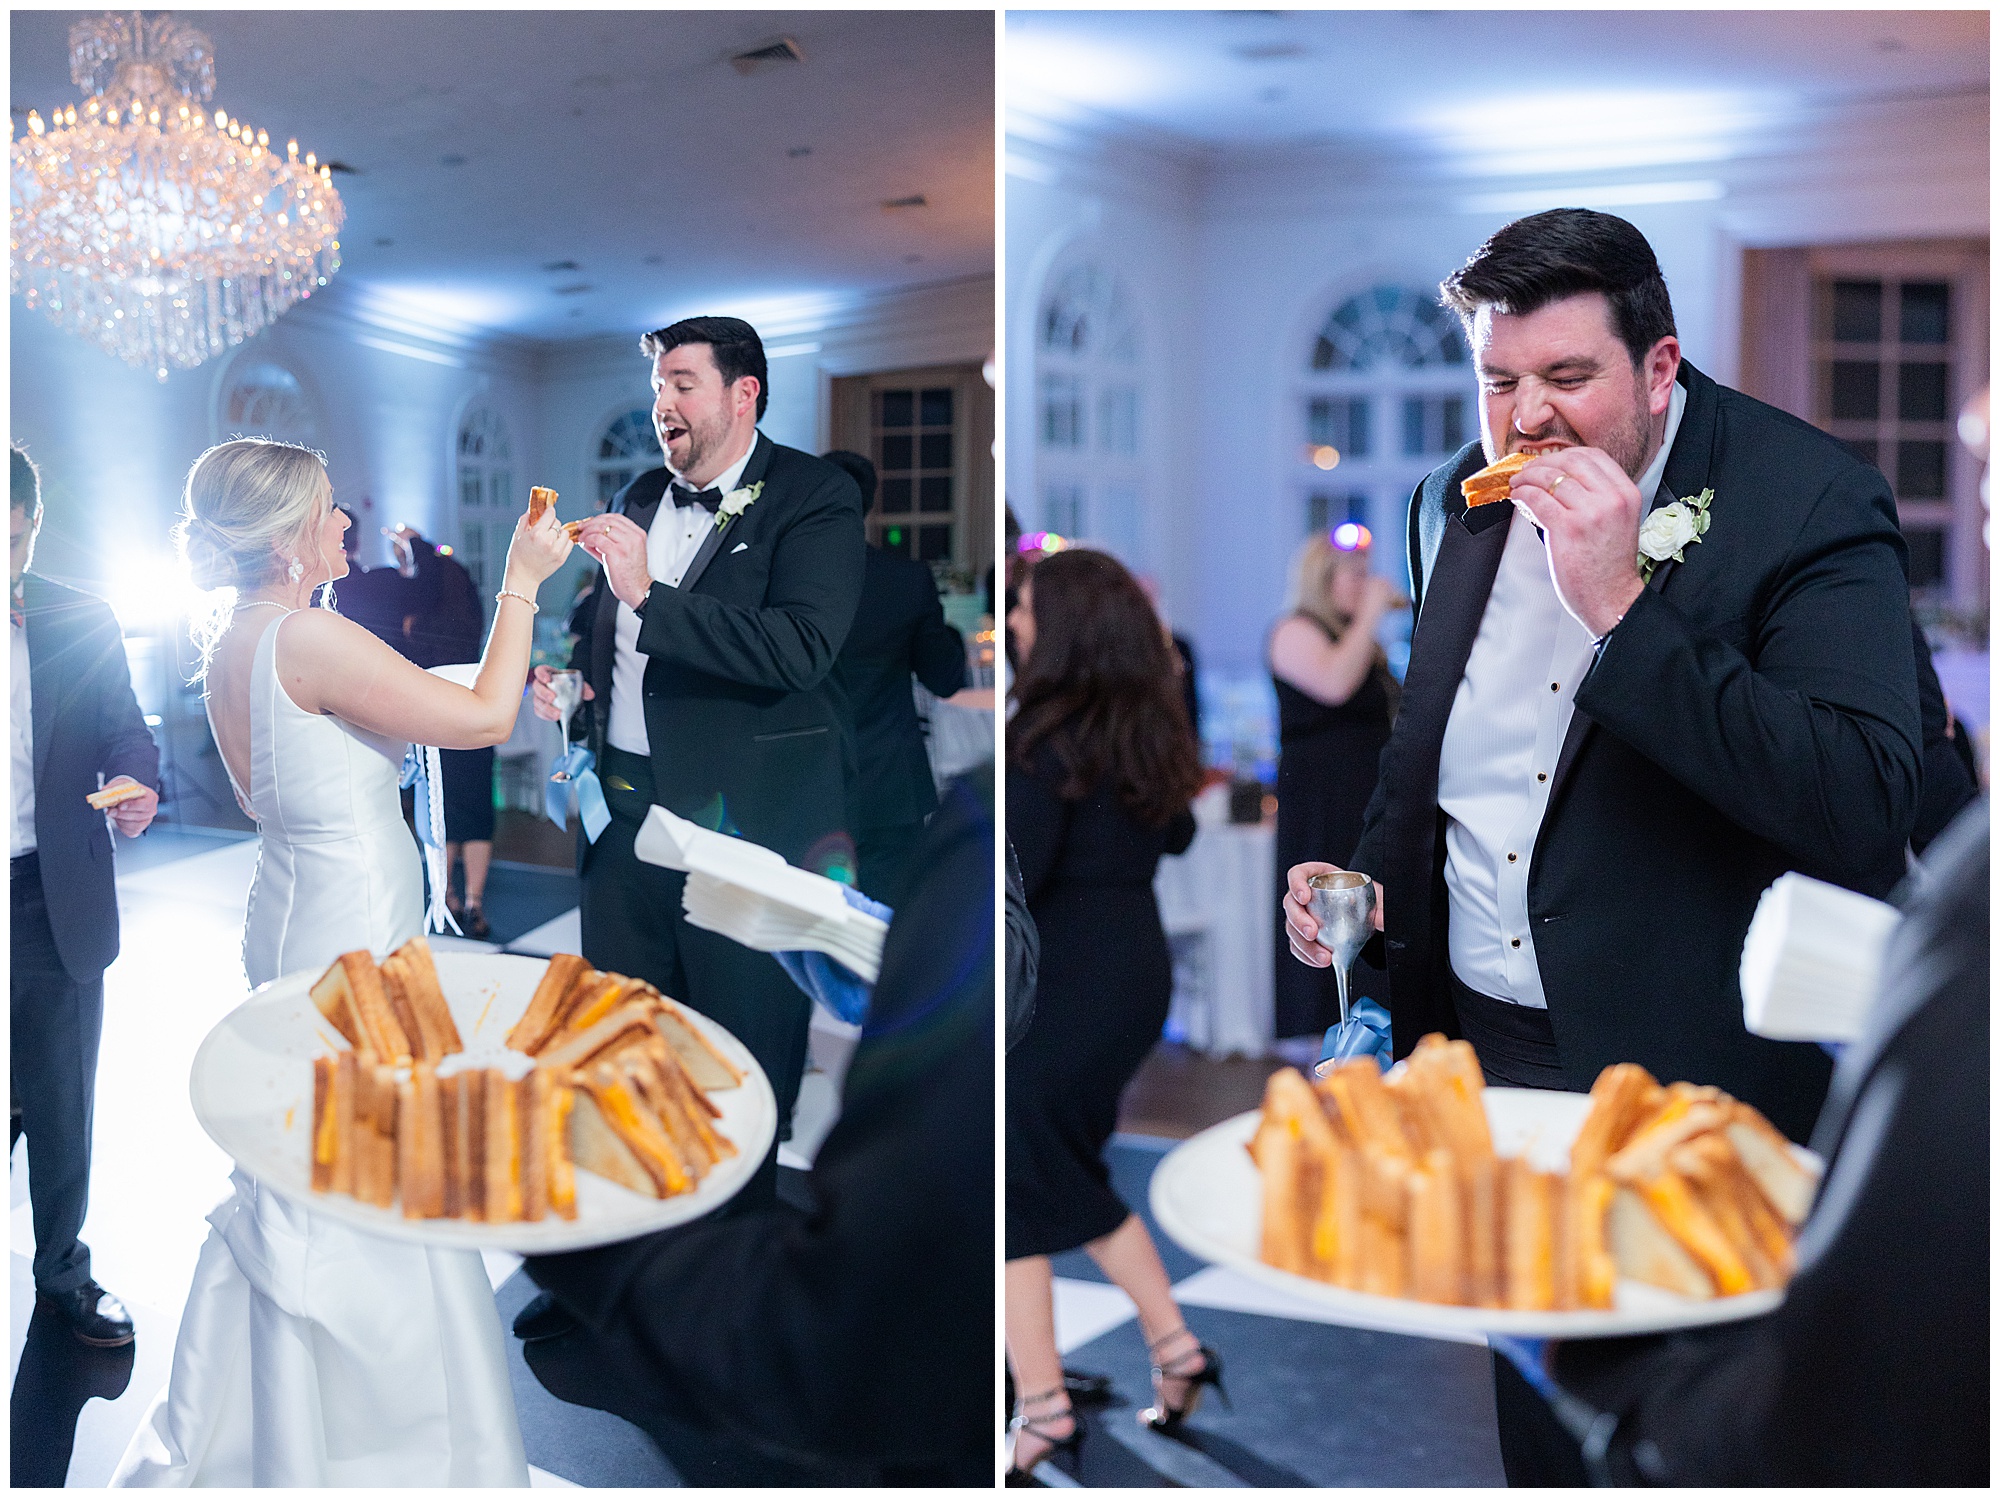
[{"x": 158, "y": 231}]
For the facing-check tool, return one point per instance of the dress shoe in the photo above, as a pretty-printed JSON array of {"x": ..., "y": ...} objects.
[
  {"x": 543, "y": 1318},
  {"x": 96, "y": 1317}
]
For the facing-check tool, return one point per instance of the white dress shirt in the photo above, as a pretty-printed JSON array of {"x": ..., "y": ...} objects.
[
  {"x": 22, "y": 766},
  {"x": 676, "y": 535},
  {"x": 1500, "y": 749}
]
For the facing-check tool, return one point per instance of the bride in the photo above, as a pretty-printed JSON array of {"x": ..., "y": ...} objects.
[{"x": 311, "y": 1354}]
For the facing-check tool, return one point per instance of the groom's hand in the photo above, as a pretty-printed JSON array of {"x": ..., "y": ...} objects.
[
  {"x": 621, "y": 547},
  {"x": 1589, "y": 511}
]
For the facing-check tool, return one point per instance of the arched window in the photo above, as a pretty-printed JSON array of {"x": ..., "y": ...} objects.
[
  {"x": 626, "y": 448},
  {"x": 1388, "y": 393},
  {"x": 1089, "y": 408},
  {"x": 487, "y": 507},
  {"x": 263, "y": 399}
]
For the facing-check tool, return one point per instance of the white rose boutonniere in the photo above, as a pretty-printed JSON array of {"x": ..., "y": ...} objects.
[
  {"x": 1670, "y": 530},
  {"x": 736, "y": 501}
]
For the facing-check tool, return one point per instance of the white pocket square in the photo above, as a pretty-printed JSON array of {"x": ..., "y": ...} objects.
[{"x": 739, "y": 546}]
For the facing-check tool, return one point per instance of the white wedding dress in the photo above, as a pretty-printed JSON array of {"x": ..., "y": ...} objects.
[{"x": 310, "y": 1354}]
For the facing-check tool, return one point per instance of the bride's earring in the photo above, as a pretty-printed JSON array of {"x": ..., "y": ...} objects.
[{"x": 296, "y": 571}]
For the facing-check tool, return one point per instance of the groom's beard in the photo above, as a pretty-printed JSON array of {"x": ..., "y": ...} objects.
[{"x": 705, "y": 440}]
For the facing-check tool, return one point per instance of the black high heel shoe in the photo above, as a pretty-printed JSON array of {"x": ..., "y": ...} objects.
[
  {"x": 1066, "y": 1452},
  {"x": 1167, "y": 1418}
]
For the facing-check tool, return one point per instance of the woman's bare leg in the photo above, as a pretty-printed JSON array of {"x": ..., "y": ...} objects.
[{"x": 1031, "y": 1350}]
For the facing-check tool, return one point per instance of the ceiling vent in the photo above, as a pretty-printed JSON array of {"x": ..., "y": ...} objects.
[
  {"x": 577, "y": 290},
  {"x": 562, "y": 265},
  {"x": 914, "y": 200},
  {"x": 776, "y": 53}
]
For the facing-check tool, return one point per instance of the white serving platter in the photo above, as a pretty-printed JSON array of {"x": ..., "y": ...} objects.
[
  {"x": 252, "y": 1092},
  {"x": 1208, "y": 1196}
]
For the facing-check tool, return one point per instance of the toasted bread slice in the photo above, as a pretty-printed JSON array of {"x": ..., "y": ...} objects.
[
  {"x": 330, "y": 1121},
  {"x": 410, "y": 977},
  {"x": 598, "y": 1148},
  {"x": 503, "y": 1150},
  {"x": 1644, "y": 1250},
  {"x": 113, "y": 795},
  {"x": 555, "y": 1149},
  {"x": 628, "y": 1024},
  {"x": 1645, "y": 1154},
  {"x": 1289, "y": 1205},
  {"x": 1787, "y": 1184},
  {"x": 544, "y": 1012},
  {"x": 1724, "y": 1191},
  {"x": 1366, "y": 1106},
  {"x": 1485, "y": 1271},
  {"x": 1616, "y": 1101},
  {"x": 1595, "y": 1270},
  {"x": 606, "y": 1101},
  {"x": 1385, "y": 1199},
  {"x": 420, "y": 1142},
  {"x": 707, "y": 1067},
  {"x": 1437, "y": 1231},
  {"x": 531, "y": 1110},
  {"x": 539, "y": 500},
  {"x": 1496, "y": 480},
  {"x": 1529, "y": 1209},
  {"x": 1674, "y": 1204},
  {"x": 334, "y": 993},
  {"x": 375, "y": 1134}
]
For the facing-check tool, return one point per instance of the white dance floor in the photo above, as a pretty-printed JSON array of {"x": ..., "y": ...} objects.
[{"x": 156, "y": 1175}]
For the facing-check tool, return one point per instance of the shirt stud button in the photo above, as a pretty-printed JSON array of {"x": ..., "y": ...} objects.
[
  {"x": 1540, "y": 776},
  {"x": 1515, "y": 942},
  {"x": 1555, "y": 686},
  {"x": 1511, "y": 857}
]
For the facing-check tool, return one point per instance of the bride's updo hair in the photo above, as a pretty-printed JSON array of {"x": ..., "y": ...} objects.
[{"x": 247, "y": 505}]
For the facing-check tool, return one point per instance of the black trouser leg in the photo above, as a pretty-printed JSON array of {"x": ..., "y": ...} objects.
[
  {"x": 56, "y": 1026},
  {"x": 632, "y": 923},
  {"x": 1535, "y": 1449}
]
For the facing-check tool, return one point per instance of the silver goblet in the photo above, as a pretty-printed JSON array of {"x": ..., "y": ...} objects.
[
  {"x": 1343, "y": 906},
  {"x": 568, "y": 689}
]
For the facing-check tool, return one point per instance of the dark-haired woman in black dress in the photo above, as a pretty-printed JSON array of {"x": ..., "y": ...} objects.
[
  {"x": 1101, "y": 767},
  {"x": 1335, "y": 702}
]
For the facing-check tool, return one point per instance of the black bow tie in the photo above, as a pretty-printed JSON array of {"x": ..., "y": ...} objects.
[{"x": 709, "y": 499}]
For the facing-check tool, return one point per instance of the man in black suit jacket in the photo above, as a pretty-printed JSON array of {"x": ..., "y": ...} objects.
[
  {"x": 75, "y": 722},
  {"x": 1614, "y": 736},
  {"x": 707, "y": 646},
  {"x": 851, "y": 1344},
  {"x": 1750, "y": 708},
  {"x": 1876, "y": 1369},
  {"x": 899, "y": 632}
]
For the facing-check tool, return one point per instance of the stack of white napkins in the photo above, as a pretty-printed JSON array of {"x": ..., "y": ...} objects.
[
  {"x": 751, "y": 895},
  {"x": 1812, "y": 962}
]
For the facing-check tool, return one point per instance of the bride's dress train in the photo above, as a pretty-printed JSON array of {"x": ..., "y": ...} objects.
[{"x": 312, "y": 1355}]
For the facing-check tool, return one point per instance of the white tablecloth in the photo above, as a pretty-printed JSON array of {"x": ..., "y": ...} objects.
[{"x": 1218, "y": 902}]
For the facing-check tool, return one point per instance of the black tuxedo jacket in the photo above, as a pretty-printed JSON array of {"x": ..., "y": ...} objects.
[
  {"x": 747, "y": 728},
  {"x": 1875, "y": 1371},
  {"x": 85, "y": 720},
  {"x": 1755, "y": 711},
  {"x": 899, "y": 631},
  {"x": 861, "y": 1331}
]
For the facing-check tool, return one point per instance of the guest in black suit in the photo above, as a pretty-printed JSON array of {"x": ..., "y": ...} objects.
[
  {"x": 1101, "y": 768},
  {"x": 853, "y": 1343},
  {"x": 1751, "y": 708},
  {"x": 1875, "y": 1371},
  {"x": 899, "y": 632},
  {"x": 373, "y": 597},
  {"x": 1603, "y": 759},
  {"x": 1951, "y": 774},
  {"x": 445, "y": 626},
  {"x": 76, "y": 725},
  {"x": 707, "y": 647}
]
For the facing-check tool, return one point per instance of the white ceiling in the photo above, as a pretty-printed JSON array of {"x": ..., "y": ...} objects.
[
  {"x": 1490, "y": 92},
  {"x": 491, "y": 145}
]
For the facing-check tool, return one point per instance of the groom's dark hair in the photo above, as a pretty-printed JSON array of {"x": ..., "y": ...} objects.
[
  {"x": 24, "y": 486},
  {"x": 737, "y": 349},
  {"x": 1548, "y": 256}
]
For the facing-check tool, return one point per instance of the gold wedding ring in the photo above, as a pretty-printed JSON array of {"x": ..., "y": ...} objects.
[{"x": 1557, "y": 483}]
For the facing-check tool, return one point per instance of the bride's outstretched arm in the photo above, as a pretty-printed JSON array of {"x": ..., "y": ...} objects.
[{"x": 332, "y": 665}]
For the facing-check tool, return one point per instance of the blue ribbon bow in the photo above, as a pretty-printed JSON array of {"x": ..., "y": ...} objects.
[
  {"x": 577, "y": 763},
  {"x": 833, "y": 985},
  {"x": 1365, "y": 1032}
]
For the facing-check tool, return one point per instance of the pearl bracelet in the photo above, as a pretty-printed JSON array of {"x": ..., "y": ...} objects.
[{"x": 510, "y": 593}]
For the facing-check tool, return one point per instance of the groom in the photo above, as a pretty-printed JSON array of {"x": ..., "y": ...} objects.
[{"x": 729, "y": 579}]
